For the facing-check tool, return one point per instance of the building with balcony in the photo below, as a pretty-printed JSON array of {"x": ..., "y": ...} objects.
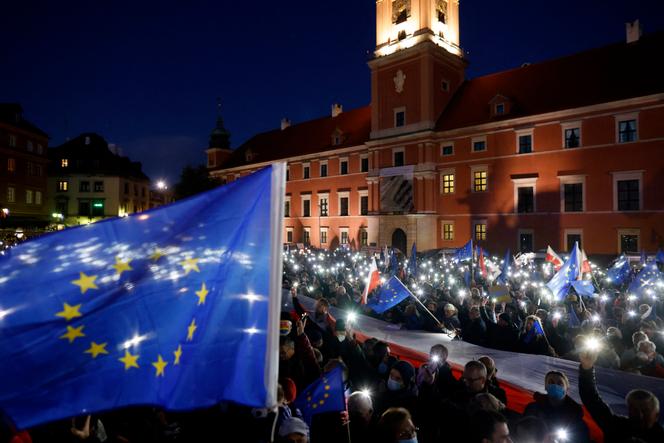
[
  {"x": 548, "y": 153},
  {"x": 89, "y": 181},
  {"x": 23, "y": 165}
]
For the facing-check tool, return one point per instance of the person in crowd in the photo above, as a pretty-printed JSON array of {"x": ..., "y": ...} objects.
[
  {"x": 396, "y": 426},
  {"x": 490, "y": 427},
  {"x": 297, "y": 360},
  {"x": 474, "y": 381},
  {"x": 435, "y": 376},
  {"x": 413, "y": 319},
  {"x": 629, "y": 355},
  {"x": 475, "y": 329},
  {"x": 400, "y": 389},
  {"x": 293, "y": 430},
  {"x": 642, "y": 422},
  {"x": 532, "y": 339},
  {"x": 361, "y": 416},
  {"x": 485, "y": 402},
  {"x": 502, "y": 334},
  {"x": 647, "y": 360},
  {"x": 532, "y": 429},
  {"x": 557, "y": 409},
  {"x": 451, "y": 318}
]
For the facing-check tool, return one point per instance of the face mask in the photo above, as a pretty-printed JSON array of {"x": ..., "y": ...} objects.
[
  {"x": 394, "y": 385},
  {"x": 410, "y": 440},
  {"x": 556, "y": 392},
  {"x": 382, "y": 368},
  {"x": 341, "y": 337}
]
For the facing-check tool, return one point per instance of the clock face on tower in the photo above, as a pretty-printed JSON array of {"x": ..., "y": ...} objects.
[{"x": 400, "y": 11}]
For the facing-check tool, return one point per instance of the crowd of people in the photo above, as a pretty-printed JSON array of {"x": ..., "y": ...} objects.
[{"x": 393, "y": 400}]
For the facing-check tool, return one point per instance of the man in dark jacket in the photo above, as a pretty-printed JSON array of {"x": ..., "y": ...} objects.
[
  {"x": 642, "y": 422},
  {"x": 297, "y": 360},
  {"x": 475, "y": 330}
]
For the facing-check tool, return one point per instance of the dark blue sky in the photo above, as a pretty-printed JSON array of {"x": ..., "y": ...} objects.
[{"x": 146, "y": 74}]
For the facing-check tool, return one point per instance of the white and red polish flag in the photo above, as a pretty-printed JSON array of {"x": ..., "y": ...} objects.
[{"x": 373, "y": 280}]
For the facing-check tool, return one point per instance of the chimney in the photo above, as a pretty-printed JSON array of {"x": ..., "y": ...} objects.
[
  {"x": 285, "y": 123},
  {"x": 633, "y": 31},
  {"x": 337, "y": 109}
]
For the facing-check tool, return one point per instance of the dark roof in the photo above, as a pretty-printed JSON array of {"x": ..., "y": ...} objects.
[
  {"x": 305, "y": 138},
  {"x": 94, "y": 157},
  {"x": 12, "y": 114},
  {"x": 601, "y": 75}
]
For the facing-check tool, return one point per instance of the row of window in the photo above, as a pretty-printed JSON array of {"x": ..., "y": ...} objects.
[
  {"x": 32, "y": 169},
  {"x": 323, "y": 168},
  {"x": 344, "y": 237},
  {"x": 323, "y": 204},
  {"x": 98, "y": 186},
  {"x": 31, "y": 197},
  {"x": 29, "y": 145}
]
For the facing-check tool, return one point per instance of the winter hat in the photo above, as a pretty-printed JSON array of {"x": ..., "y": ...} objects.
[
  {"x": 506, "y": 318},
  {"x": 406, "y": 370},
  {"x": 284, "y": 327},
  {"x": 293, "y": 425},
  {"x": 290, "y": 390}
]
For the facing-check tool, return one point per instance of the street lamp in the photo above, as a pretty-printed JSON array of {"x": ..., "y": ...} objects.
[{"x": 161, "y": 185}]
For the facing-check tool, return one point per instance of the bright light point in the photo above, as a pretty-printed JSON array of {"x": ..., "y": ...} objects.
[
  {"x": 631, "y": 313},
  {"x": 161, "y": 185},
  {"x": 420, "y": 292},
  {"x": 562, "y": 435},
  {"x": 365, "y": 392},
  {"x": 603, "y": 297},
  {"x": 351, "y": 317},
  {"x": 557, "y": 316},
  {"x": 296, "y": 284},
  {"x": 252, "y": 331},
  {"x": 134, "y": 341},
  {"x": 296, "y": 267},
  {"x": 462, "y": 293},
  {"x": 593, "y": 344},
  {"x": 435, "y": 358},
  {"x": 382, "y": 280},
  {"x": 596, "y": 318},
  {"x": 5, "y": 312},
  {"x": 310, "y": 288}
]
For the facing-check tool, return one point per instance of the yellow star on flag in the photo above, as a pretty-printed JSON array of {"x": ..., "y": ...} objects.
[
  {"x": 130, "y": 361},
  {"x": 96, "y": 349},
  {"x": 157, "y": 254},
  {"x": 85, "y": 282},
  {"x": 177, "y": 353},
  {"x": 160, "y": 365},
  {"x": 190, "y": 264},
  {"x": 69, "y": 312},
  {"x": 202, "y": 294},
  {"x": 191, "y": 329},
  {"x": 121, "y": 266},
  {"x": 73, "y": 333}
]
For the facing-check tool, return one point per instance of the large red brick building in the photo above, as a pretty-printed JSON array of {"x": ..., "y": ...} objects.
[{"x": 566, "y": 150}]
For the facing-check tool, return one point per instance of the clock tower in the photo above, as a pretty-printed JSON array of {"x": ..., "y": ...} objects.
[{"x": 417, "y": 64}]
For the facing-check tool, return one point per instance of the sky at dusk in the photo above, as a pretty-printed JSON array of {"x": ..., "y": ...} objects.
[{"x": 146, "y": 74}]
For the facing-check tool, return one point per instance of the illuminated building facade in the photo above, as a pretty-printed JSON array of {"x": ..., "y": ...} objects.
[{"x": 564, "y": 150}]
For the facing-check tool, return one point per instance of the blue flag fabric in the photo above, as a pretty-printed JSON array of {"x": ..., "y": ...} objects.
[
  {"x": 584, "y": 287},
  {"x": 645, "y": 280},
  {"x": 391, "y": 294},
  {"x": 568, "y": 273},
  {"x": 643, "y": 257},
  {"x": 574, "y": 321},
  {"x": 659, "y": 258},
  {"x": 465, "y": 252},
  {"x": 177, "y": 307},
  {"x": 537, "y": 330},
  {"x": 324, "y": 395},
  {"x": 412, "y": 261},
  {"x": 620, "y": 271},
  {"x": 503, "y": 278}
]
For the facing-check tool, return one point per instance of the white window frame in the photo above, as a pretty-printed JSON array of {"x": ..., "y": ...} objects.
[
  {"x": 287, "y": 199},
  {"x": 303, "y": 198},
  {"x": 306, "y": 165},
  {"x": 306, "y": 229},
  {"x": 396, "y": 111},
  {"x": 478, "y": 168},
  {"x": 362, "y": 193},
  {"x": 481, "y": 138},
  {"x": 320, "y": 168},
  {"x": 444, "y": 145},
  {"x": 480, "y": 222},
  {"x": 362, "y": 157},
  {"x": 29, "y": 196},
  {"x": 340, "y": 195},
  {"x": 448, "y": 171},
  {"x": 320, "y": 235},
  {"x": 442, "y": 230},
  {"x": 11, "y": 194},
  {"x": 323, "y": 195},
  {"x": 572, "y": 125},
  {"x": 522, "y": 132},
  {"x": 518, "y": 238},
  {"x": 530, "y": 182},
  {"x": 397, "y": 150},
  {"x": 570, "y": 180},
  {"x": 630, "y": 231},
  {"x": 362, "y": 230},
  {"x": 341, "y": 160},
  {"x": 572, "y": 231},
  {"x": 623, "y": 117},
  {"x": 343, "y": 231},
  {"x": 289, "y": 229},
  {"x": 288, "y": 176},
  {"x": 38, "y": 197},
  {"x": 627, "y": 175}
]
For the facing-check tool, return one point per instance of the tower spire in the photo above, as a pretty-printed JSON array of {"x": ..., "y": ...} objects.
[{"x": 220, "y": 137}]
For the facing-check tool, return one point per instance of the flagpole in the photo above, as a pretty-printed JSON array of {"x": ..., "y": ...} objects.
[{"x": 424, "y": 307}]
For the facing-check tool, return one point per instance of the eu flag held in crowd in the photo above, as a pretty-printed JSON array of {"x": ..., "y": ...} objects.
[
  {"x": 465, "y": 252},
  {"x": 620, "y": 271},
  {"x": 391, "y": 294},
  {"x": 568, "y": 273},
  {"x": 176, "y": 307},
  {"x": 324, "y": 395}
]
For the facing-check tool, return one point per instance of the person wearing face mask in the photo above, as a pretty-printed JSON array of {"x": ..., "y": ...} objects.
[
  {"x": 400, "y": 390},
  {"x": 396, "y": 426},
  {"x": 557, "y": 409},
  {"x": 642, "y": 421}
]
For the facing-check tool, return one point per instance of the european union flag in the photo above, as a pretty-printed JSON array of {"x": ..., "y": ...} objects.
[
  {"x": 176, "y": 306},
  {"x": 465, "y": 252},
  {"x": 568, "y": 273},
  {"x": 504, "y": 276},
  {"x": 620, "y": 271},
  {"x": 391, "y": 294},
  {"x": 659, "y": 258},
  {"x": 583, "y": 287},
  {"x": 645, "y": 281},
  {"x": 324, "y": 395}
]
